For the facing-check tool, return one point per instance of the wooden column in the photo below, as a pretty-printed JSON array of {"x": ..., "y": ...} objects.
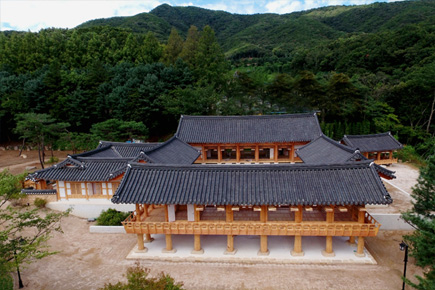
[
  {"x": 275, "y": 153},
  {"x": 360, "y": 247},
  {"x": 169, "y": 248},
  {"x": 378, "y": 156},
  {"x": 292, "y": 156},
  {"x": 263, "y": 246},
  {"x": 229, "y": 218},
  {"x": 328, "y": 252},
  {"x": 140, "y": 244},
  {"x": 219, "y": 153},
  {"x": 238, "y": 153},
  {"x": 263, "y": 238},
  {"x": 257, "y": 153},
  {"x": 297, "y": 247},
  {"x": 197, "y": 214},
  {"x": 204, "y": 154},
  {"x": 197, "y": 245},
  {"x": 166, "y": 213}
]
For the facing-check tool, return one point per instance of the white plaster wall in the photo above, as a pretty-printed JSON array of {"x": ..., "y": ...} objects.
[{"x": 88, "y": 208}]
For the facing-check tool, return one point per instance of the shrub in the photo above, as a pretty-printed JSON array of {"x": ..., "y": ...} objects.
[
  {"x": 408, "y": 153},
  {"x": 40, "y": 202},
  {"x": 53, "y": 159},
  {"x": 111, "y": 217},
  {"x": 137, "y": 278}
]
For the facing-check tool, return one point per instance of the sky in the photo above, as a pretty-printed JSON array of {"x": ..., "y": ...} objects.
[{"x": 33, "y": 15}]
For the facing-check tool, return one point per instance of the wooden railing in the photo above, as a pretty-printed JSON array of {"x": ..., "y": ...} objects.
[
  {"x": 386, "y": 161},
  {"x": 369, "y": 228}
]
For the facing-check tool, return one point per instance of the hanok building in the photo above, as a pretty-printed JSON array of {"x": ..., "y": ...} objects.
[
  {"x": 263, "y": 200},
  {"x": 324, "y": 151},
  {"x": 248, "y": 139},
  {"x": 379, "y": 147},
  {"x": 97, "y": 173}
]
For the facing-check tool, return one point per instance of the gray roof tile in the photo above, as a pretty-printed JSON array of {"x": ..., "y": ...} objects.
[
  {"x": 248, "y": 129},
  {"x": 373, "y": 142},
  {"x": 346, "y": 184}
]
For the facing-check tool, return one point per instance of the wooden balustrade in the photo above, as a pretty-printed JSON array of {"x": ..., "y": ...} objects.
[{"x": 369, "y": 228}]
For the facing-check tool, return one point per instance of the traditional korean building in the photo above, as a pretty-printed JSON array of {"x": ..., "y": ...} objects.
[
  {"x": 248, "y": 139},
  {"x": 324, "y": 151},
  {"x": 97, "y": 173},
  {"x": 379, "y": 147},
  {"x": 264, "y": 200}
]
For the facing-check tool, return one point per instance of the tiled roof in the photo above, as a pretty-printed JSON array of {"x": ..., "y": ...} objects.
[
  {"x": 99, "y": 165},
  {"x": 91, "y": 169},
  {"x": 346, "y": 184},
  {"x": 372, "y": 143},
  {"x": 173, "y": 151},
  {"x": 248, "y": 129},
  {"x": 324, "y": 150},
  {"x": 38, "y": 191},
  {"x": 128, "y": 150}
]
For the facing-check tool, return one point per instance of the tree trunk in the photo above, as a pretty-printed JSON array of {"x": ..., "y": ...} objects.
[
  {"x": 22, "y": 147},
  {"x": 431, "y": 114},
  {"x": 40, "y": 155}
]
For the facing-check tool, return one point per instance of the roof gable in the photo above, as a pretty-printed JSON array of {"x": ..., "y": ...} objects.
[
  {"x": 373, "y": 142},
  {"x": 128, "y": 150},
  {"x": 249, "y": 129}
]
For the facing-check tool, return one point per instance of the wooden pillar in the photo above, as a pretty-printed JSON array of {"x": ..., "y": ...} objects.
[
  {"x": 292, "y": 152},
  {"x": 263, "y": 246},
  {"x": 263, "y": 238},
  {"x": 297, "y": 247},
  {"x": 197, "y": 245},
  {"x": 140, "y": 244},
  {"x": 366, "y": 154},
  {"x": 229, "y": 218},
  {"x": 257, "y": 153},
  {"x": 219, "y": 153},
  {"x": 361, "y": 214},
  {"x": 204, "y": 154},
  {"x": 237, "y": 153},
  {"x": 145, "y": 210},
  {"x": 328, "y": 252},
  {"x": 351, "y": 241},
  {"x": 390, "y": 155},
  {"x": 378, "y": 156},
  {"x": 275, "y": 153},
  {"x": 169, "y": 248},
  {"x": 166, "y": 213},
  {"x": 197, "y": 214},
  {"x": 360, "y": 247}
]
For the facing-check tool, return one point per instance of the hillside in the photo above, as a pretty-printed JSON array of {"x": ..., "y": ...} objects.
[{"x": 260, "y": 34}]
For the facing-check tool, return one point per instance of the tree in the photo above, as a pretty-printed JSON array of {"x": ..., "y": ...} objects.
[
  {"x": 117, "y": 130},
  {"x": 190, "y": 46},
  {"x": 137, "y": 279},
  {"x": 422, "y": 217},
  {"x": 173, "y": 48},
  {"x": 23, "y": 233},
  {"x": 38, "y": 129},
  {"x": 151, "y": 50}
]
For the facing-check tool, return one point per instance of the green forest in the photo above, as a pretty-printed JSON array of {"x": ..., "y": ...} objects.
[{"x": 364, "y": 69}]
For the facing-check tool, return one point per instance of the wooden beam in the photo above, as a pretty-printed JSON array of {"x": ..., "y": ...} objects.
[
  {"x": 294, "y": 208},
  {"x": 271, "y": 208},
  {"x": 235, "y": 208},
  {"x": 308, "y": 208},
  {"x": 220, "y": 208},
  {"x": 342, "y": 209},
  {"x": 257, "y": 208},
  {"x": 199, "y": 208}
]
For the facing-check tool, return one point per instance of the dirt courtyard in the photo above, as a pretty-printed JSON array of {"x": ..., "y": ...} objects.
[{"x": 88, "y": 261}]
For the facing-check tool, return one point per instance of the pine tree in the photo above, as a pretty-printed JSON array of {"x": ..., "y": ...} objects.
[{"x": 422, "y": 217}]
